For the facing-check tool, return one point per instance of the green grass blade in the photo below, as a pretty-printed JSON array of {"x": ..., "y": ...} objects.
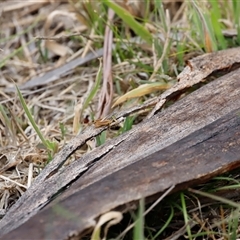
[
  {"x": 130, "y": 21},
  {"x": 185, "y": 215},
  {"x": 30, "y": 118},
  {"x": 162, "y": 13},
  {"x": 215, "y": 16},
  {"x": 166, "y": 224},
  {"x": 233, "y": 226},
  {"x": 101, "y": 139},
  {"x": 215, "y": 197},
  {"x": 138, "y": 231},
  {"x": 63, "y": 130},
  {"x": 28, "y": 29},
  {"x": 94, "y": 88},
  {"x": 4, "y": 60},
  {"x": 207, "y": 234},
  {"x": 127, "y": 125},
  {"x": 4, "y": 114},
  {"x": 236, "y": 9}
]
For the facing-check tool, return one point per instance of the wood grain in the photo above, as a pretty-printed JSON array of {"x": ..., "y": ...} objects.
[
  {"x": 127, "y": 153},
  {"x": 203, "y": 154}
]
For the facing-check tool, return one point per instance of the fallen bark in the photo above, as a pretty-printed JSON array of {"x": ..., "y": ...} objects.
[
  {"x": 139, "y": 160},
  {"x": 203, "y": 154}
]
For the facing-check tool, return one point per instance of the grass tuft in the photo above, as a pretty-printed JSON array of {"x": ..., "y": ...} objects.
[{"x": 51, "y": 146}]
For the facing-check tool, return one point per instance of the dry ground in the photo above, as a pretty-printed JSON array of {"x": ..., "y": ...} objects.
[{"x": 58, "y": 103}]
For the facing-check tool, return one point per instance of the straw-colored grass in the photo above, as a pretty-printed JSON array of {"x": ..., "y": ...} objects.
[{"x": 151, "y": 43}]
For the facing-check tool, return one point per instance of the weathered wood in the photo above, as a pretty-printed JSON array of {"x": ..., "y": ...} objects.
[
  {"x": 198, "y": 69},
  {"x": 188, "y": 115},
  {"x": 201, "y": 155}
]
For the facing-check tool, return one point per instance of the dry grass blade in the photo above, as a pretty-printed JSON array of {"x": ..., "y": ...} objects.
[
  {"x": 207, "y": 38},
  {"x": 59, "y": 77},
  {"x": 165, "y": 48},
  {"x": 106, "y": 94},
  {"x": 6, "y": 7},
  {"x": 111, "y": 218},
  {"x": 181, "y": 231},
  {"x": 142, "y": 90},
  {"x": 10, "y": 180}
]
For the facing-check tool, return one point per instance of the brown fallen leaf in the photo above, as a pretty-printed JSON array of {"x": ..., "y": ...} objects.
[{"x": 57, "y": 48}]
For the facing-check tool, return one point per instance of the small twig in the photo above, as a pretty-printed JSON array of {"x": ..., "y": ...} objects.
[
  {"x": 30, "y": 175},
  {"x": 10, "y": 180},
  {"x": 63, "y": 37},
  {"x": 88, "y": 45},
  {"x": 181, "y": 231}
]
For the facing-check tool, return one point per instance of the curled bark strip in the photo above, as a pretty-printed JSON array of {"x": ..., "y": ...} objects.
[{"x": 197, "y": 70}]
